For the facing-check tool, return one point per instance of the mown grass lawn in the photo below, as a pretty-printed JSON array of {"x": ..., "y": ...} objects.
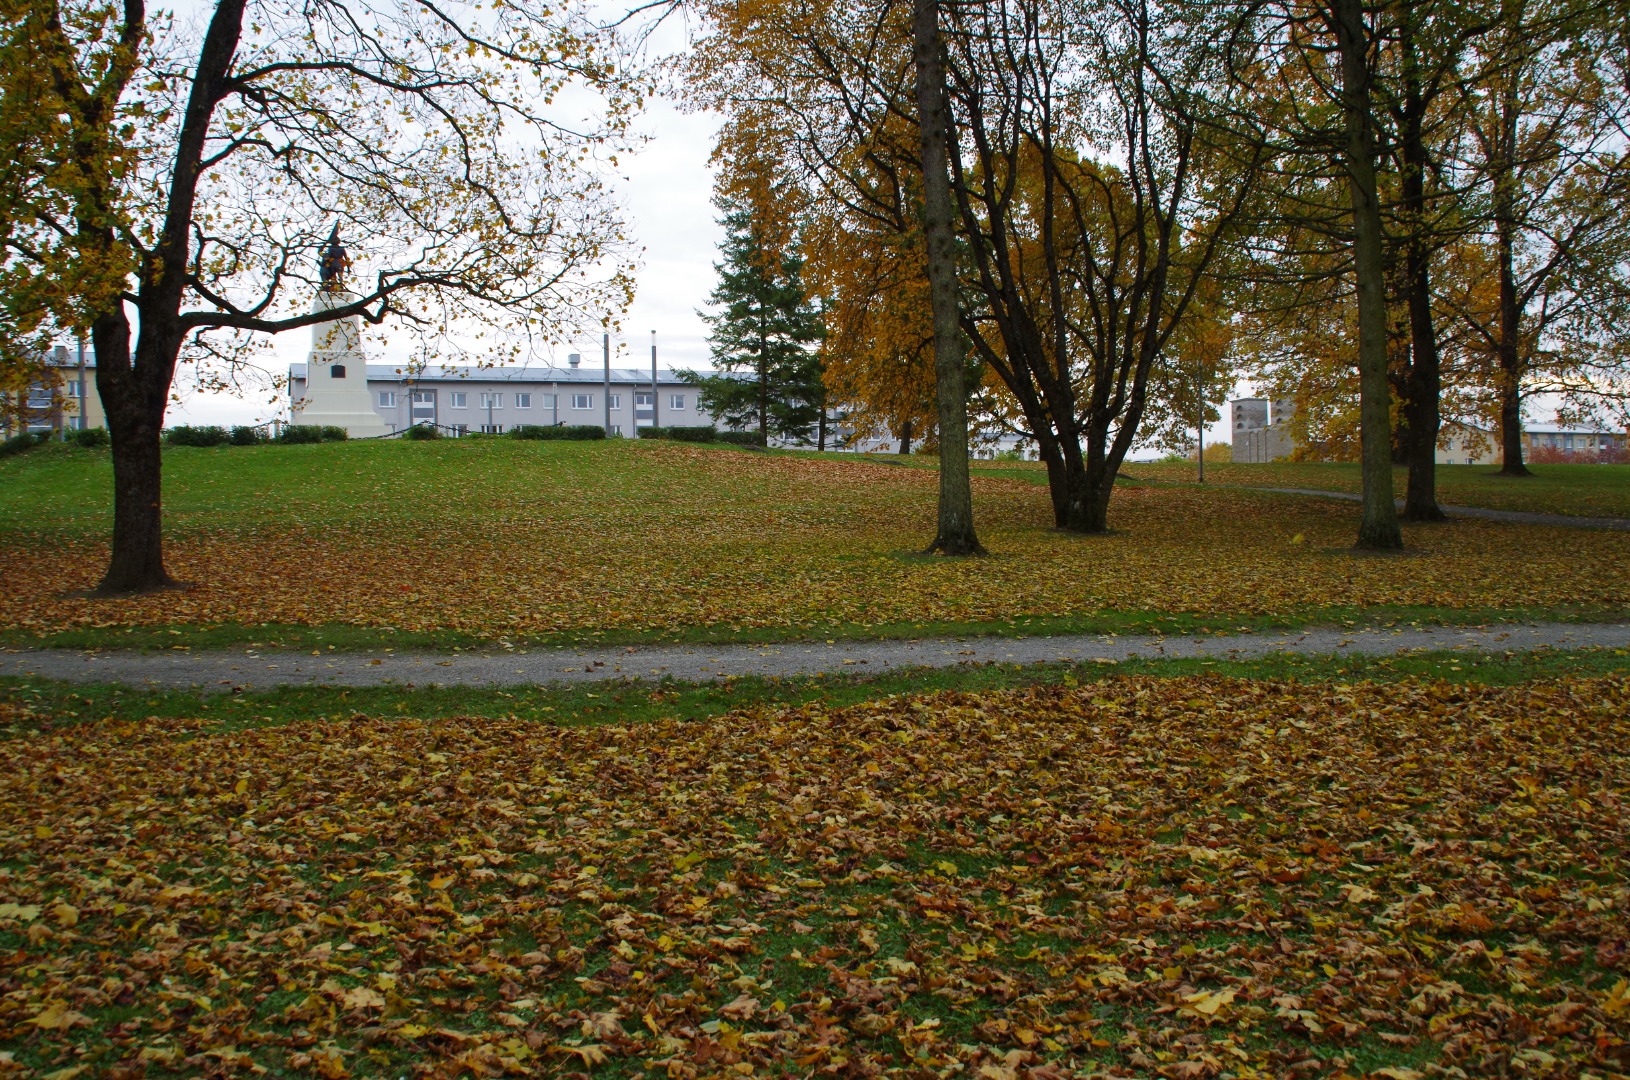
[
  {"x": 1575, "y": 490},
  {"x": 482, "y": 540},
  {"x": 1130, "y": 876}
]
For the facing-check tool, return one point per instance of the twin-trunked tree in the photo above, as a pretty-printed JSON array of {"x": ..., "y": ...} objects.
[
  {"x": 1082, "y": 204},
  {"x": 172, "y": 190}
]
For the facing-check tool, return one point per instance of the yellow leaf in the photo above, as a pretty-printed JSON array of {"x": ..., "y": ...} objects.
[
  {"x": 441, "y": 881},
  {"x": 65, "y": 913},
  {"x": 243, "y": 786},
  {"x": 1207, "y": 1002},
  {"x": 57, "y": 1017},
  {"x": 362, "y": 997}
]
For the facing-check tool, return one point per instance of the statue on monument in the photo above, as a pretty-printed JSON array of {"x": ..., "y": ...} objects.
[
  {"x": 336, "y": 384},
  {"x": 334, "y": 263}
]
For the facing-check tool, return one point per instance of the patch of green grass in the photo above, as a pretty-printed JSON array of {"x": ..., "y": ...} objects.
[{"x": 32, "y": 702}]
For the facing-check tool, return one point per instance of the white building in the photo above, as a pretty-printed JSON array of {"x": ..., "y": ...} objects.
[{"x": 463, "y": 399}]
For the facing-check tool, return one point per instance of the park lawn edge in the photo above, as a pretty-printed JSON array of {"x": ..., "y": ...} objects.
[
  {"x": 351, "y": 638},
  {"x": 30, "y": 705}
]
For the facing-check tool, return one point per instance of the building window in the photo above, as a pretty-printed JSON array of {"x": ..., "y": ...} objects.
[
  {"x": 676, "y": 401},
  {"x": 616, "y": 429},
  {"x": 582, "y": 401},
  {"x": 492, "y": 429},
  {"x": 492, "y": 401},
  {"x": 337, "y": 371},
  {"x": 643, "y": 401},
  {"x": 460, "y": 430},
  {"x": 387, "y": 399},
  {"x": 546, "y": 401},
  {"x": 615, "y": 401},
  {"x": 523, "y": 401},
  {"x": 458, "y": 399}
]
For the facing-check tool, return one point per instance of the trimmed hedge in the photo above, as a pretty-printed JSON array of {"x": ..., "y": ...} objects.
[
  {"x": 90, "y": 437},
  {"x": 422, "y": 432},
  {"x": 704, "y": 434},
  {"x": 741, "y": 438},
  {"x": 21, "y": 442},
  {"x": 561, "y": 431},
  {"x": 246, "y": 435},
  {"x": 312, "y": 433},
  {"x": 201, "y": 435}
]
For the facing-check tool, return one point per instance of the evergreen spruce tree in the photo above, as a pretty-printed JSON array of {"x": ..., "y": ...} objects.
[{"x": 765, "y": 328}]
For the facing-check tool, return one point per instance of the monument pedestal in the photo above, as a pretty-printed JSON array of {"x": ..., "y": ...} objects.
[{"x": 337, "y": 374}]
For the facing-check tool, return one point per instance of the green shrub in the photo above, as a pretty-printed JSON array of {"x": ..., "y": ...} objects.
[
  {"x": 25, "y": 440},
  {"x": 421, "y": 432},
  {"x": 704, "y": 434},
  {"x": 200, "y": 435},
  {"x": 559, "y": 431},
  {"x": 300, "y": 433},
  {"x": 741, "y": 438},
  {"x": 246, "y": 435},
  {"x": 334, "y": 433},
  {"x": 90, "y": 437}
]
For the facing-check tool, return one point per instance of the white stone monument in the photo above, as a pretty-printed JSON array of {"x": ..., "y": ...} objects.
[{"x": 337, "y": 372}]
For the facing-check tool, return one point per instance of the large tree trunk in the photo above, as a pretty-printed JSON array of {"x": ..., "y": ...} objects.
[
  {"x": 956, "y": 532},
  {"x": 1423, "y": 386},
  {"x": 1084, "y": 509},
  {"x": 1421, "y": 403},
  {"x": 1509, "y": 347},
  {"x": 135, "y": 394},
  {"x": 1378, "y": 528},
  {"x": 1508, "y": 350},
  {"x": 905, "y": 439},
  {"x": 135, "y": 418}
]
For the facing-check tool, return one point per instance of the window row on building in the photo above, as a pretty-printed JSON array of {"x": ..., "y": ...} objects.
[{"x": 460, "y": 399}]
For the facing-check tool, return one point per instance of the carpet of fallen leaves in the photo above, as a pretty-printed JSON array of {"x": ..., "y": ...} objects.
[
  {"x": 508, "y": 539},
  {"x": 1184, "y": 878}
]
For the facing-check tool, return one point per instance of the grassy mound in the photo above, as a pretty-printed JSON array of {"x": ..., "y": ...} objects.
[{"x": 501, "y": 539}]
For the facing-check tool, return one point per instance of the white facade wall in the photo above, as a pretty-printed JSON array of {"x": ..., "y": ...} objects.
[{"x": 459, "y": 398}]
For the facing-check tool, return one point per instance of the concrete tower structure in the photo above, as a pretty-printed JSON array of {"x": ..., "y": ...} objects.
[{"x": 336, "y": 390}]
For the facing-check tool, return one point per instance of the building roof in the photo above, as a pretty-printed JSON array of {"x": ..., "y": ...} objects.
[
  {"x": 1569, "y": 431},
  {"x": 68, "y": 356},
  {"x": 526, "y": 373}
]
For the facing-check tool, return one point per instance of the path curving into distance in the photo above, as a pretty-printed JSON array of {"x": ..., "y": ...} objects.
[
  {"x": 225, "y": 670},
  {"x": 1520, "y": 517}
]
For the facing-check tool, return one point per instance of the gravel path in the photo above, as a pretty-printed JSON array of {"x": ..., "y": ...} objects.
[
  {"x": 1521, "y": 517},
  {"x": 229, "y": 669}
]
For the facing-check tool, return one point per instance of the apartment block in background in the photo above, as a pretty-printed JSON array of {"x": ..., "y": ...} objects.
[
  {"x": 1261, "y": 430},
  {"x": 61, "y": 398},
  {"x": 494, "y": 400}
]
